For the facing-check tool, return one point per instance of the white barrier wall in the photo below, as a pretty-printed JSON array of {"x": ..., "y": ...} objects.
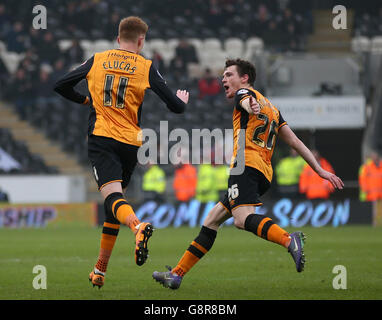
[
  {"x": 345, "y": 112},
  {"x": 44, "y": 188}
]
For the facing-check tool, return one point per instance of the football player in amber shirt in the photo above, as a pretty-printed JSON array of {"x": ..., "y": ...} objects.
[
  {"x": 261, "y": 122},
  {"x": 117, "y": 80}
]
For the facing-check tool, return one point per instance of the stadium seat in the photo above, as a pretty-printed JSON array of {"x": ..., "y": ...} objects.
[
  {"x": 212, "y": 44},
  {"x": 12, "y": 59},
  {"x": 172, "y": 44},
  {"x": 360, "y": 44},
  {"x": 30, "y": 163},
  {"x": 234, "y": 47},
  {"x": 146, "y": 51},
  {"x": 64, "y": 44},
  {"x": 194, "y": 70},
  {"x": 214, "y": 60},
  {"x": 158, "y": 45},
  {"x": 114, "y": 44},
  {"x": 102, "y": 45},
  {"x": 376, "y": 44},
  {"x": 169, "y": 53},
  {"x": 197, "y": 43},
  {"x": 253, "y": 46},
  {"x": 3, "y": 47},
  {"x": 88, "y": 48},
  {"x": 161, "y": 47},
  {"x": 86, "y": 44}
]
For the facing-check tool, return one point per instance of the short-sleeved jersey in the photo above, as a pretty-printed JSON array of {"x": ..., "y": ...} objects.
[
  {"x": 117, "y": 82},
  {"x": 260, "y": 132}
]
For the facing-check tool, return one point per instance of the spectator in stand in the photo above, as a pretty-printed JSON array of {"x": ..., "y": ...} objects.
[
  {"x": 291, "y": 29},
  {"x": 290, "y": 39},
  {"x": 109, "y": 27},
  {"x": 44, "y": 89},
  {"x": 209, "y": 86},
  {"x": 287, "y": 19},
  {"x": 186, "y": 52},
  {"x": 215, "y": 14},
  {"x": 311, "y": 184},
  {"x": 4, "y": 75},
  {"x": 33, "y": 38},
  {"x": 179, "y": 71},
  {"x": 158, "y": 62},
  {"x": 48, "y": 48},
  {"x": 5, "y": 22},
  {"x": 16, "y": 38},
  {"x": 260, "y": 21},
  {"x": 74, "y": 54},
  {"x": 185, "y": 181},
  {"x": 154, "y": 183},
  {"x": 288, "y": 172},
  {"x": 272, "y": 37},
  {"x": 20, "y": 91},
  {"x": 206, "y": 189},
  {"x": 370, "y": 178},
  {"x": 221, "y": 176},
  {"x": 30, "y": 62},
  {"x": 59, "y": 69},
  {"x": 3, "y": 196}
]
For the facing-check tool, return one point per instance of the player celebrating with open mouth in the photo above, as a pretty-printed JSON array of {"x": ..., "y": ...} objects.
[{"x": 262, "y": 123}]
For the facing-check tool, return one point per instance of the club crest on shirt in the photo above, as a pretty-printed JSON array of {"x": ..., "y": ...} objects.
[{"x": 242, "y": 91}]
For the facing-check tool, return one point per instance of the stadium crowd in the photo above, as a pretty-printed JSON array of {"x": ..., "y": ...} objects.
[
  {"x": 29, "y": 87},
  {"x": 368, "y": 23},
  {"x": 283, "y": 25},
  {"x": 97, "y": 19}
]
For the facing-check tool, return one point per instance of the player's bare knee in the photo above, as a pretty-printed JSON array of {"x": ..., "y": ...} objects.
[
  {"x": 238, "y": 223},
  {"x": 216, "y": 217},
  {"x": 211, "y": 222}
]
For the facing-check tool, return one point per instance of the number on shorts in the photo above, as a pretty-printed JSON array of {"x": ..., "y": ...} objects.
[{"x": 233, "y": 192}]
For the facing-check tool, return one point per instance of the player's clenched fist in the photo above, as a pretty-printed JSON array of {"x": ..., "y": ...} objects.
[
  {"x": 254, "y": 105},
  {"x": 183, "y": 95}
]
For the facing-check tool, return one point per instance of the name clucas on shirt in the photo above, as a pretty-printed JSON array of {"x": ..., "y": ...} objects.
[{"x": 119, "y": 65}]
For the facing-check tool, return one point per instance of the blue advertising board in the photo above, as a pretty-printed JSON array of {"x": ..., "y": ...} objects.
[{"x": 285, "y": 212}]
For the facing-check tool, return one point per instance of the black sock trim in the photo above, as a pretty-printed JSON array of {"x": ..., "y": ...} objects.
[
  {"x": 252, "y": 222},
  {"x": 206, "y": 237},
  {"x": 110, "y": 231},
  {"x": 109, "y": 216},
  {"x": 264, "y": 230},
  {"x": 116, "y": 207},
  {"x": 195, "y": 251},
  {"x": 112, "y": 197}
]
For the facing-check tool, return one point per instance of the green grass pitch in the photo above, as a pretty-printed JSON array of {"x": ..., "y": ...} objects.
[{"x": 239, "y": 266}]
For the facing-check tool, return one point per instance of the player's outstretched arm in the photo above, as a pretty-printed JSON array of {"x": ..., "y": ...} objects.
[
  {"x": 65, "y": 86},
  {"x": 176, "y": 103},
  {"x": 286, "y": 134}
]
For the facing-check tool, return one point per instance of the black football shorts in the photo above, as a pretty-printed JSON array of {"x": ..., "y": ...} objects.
[
  {"x": 245, "y": 189},
  {"x": 111, "y": 160}
]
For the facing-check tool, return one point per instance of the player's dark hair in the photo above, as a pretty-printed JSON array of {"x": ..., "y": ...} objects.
[
  {"x": 243, "y": 67},
  {"x": 131, "y": 28}
]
